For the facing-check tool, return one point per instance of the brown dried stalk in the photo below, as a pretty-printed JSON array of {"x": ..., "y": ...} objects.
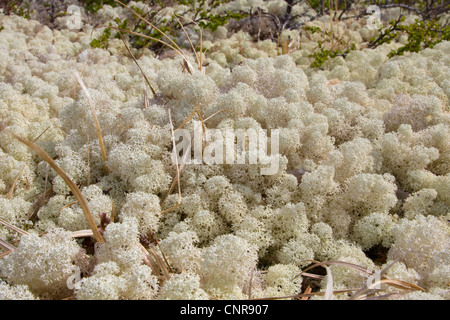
[
  {"x": 72, "y": 186},
  {"x": 94, "y": 116}
]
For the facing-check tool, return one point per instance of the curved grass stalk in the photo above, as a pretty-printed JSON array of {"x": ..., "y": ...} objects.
[
  {"x": 16, "y": 179},
  {"x": 94, "y": 116},
  {"x": 199, "y": 57},
  {"x": 134, "y": 59},
  {"x": 177, "y": 181},
  {"x": 12, "y": 227},
  {"x": 72, "y": 186}
]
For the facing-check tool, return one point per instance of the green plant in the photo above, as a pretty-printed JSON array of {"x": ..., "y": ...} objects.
[
  {"x": 387, "y": 34},
  {"x": 102, "y": 41},
  {"x": 421, "y": 35},
  {"x": 141, "y": 35},
  {"x": 205, "y": 18},
  {"x": 339, "y": 48},
  {"x": 18, "y": 7},
  {"x": 95, "y": 5},
  {"x": 324, "y": 54}
]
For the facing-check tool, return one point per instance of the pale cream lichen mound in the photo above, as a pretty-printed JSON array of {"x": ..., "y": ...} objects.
[{"x": 363, "y": 173}]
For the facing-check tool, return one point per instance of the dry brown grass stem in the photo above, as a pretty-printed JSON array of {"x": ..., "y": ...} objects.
[
  {"x": 12, "y": 227},
  {"x": 16, "y": 179},
  {"x": 83, "y": 69},
  {"x": 135, "y": 61},
  {"x": 4, "y": 254},
  {"x": 366, "y": 292},
  {"x": 308, "y": 290},
  {"x": 67, "y": 206},
  {"x": 7, "y": 246},
  {"x": 72, "y": 186},
  {"x": 177, "y": 181},
  {"x": 155, "y": 262},
  {"x": 41, "y": 200},
  {"x": 215, "y": 113},
  {"x": 13, "y": 186},
  {"x": 94, "y": 116},
  {"x": 190, "y": 117},
  {"x": 199, "y": 57},
  {"x": 82, "y": 233},
  {"x": 369, "y": 290}
]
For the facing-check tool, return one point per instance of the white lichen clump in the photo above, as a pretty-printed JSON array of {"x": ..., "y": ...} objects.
[
  {"x": 363, "y": 166},
  {"x": 41, "y": 264}
]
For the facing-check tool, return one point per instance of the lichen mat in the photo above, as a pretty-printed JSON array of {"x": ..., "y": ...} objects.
[{"x": 357, "y": 208}]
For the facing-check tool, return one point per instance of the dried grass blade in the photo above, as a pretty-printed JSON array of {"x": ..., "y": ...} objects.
[
  {"x": 190, "y": 117},
  {"x": 72, "y": 186},
  {"x": 177, "y": 181},
  {"x": 6, "y": 253},
  {"x": 151, "y": 263},
  {"x": 311, "y": 275},
  {"x": 82, "y": 233},
  {"x": 199, "y": 57},
  {"x": 161, "y": 264},
  {"x": 16, "y": 179},
  {"x": 306, "y": 293},
  {"x": 401, "y": 284},
  {"x": 12, "y": 227},
  {"x": 214, "y": 114},
  {"x": 94, "y": 116},
  {"x": 40, "y": 201},
  {"x": 40, "y": 135},
  {"x": 67, "y": 206},
  {"x": 6, "y": 245},
  {"x": 155, "y": 262},
  {"x": 13, "y": 186},
  {"x": 364, "y": 290},
  {"x": 135, "y": 61}
]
